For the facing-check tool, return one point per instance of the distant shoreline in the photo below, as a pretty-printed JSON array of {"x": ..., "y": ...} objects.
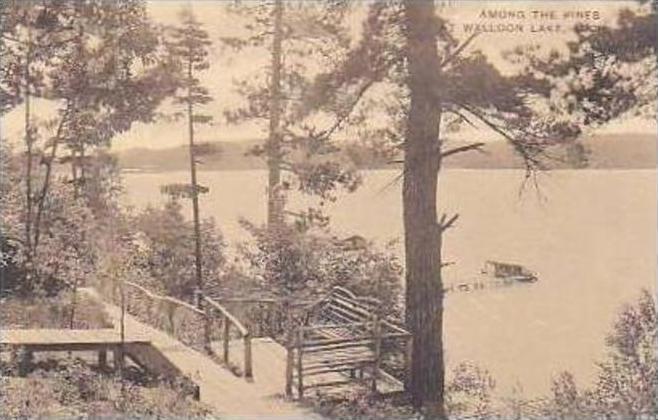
[
  {"x": 608, "y": 152},
  {"x": 448, "y": 169}
]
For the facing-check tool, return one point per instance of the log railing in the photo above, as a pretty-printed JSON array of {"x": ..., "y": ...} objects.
[
  {"x": 337, "y": 333},
  {"x": 228, "y": 321},
  {"x": 194, "y": 326},
  {"x": 265, "y": 317},
  {"x": 182, "y": 320}
]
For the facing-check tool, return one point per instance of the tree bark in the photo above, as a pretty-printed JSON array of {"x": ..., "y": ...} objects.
[
  {"x": 424, "y": 288},
  {"x": 274, "y": 193},
  {"x": 45, "y": 188},
  {"x": 195, "y": 191}
]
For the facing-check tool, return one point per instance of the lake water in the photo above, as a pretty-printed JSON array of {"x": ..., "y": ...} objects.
[{"x": 590, "y": 235}]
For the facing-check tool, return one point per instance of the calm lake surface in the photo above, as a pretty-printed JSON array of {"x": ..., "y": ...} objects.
[{"x": 590, "y": 235}]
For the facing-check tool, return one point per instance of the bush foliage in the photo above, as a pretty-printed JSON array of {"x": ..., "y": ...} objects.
[{"x": 72, "y": 389}]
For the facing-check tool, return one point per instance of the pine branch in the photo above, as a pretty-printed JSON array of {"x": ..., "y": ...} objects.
[
  {"x": 458, "y": 50},
  {"x": 462, "y": 116},
  {"x": 346, "y": 114},
  {"x": 532, "y": 162},
  {"x": 445, "y": 223},
  {"x": 462, "y": 149}
]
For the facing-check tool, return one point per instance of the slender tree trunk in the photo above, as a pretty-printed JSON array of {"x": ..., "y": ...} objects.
[
  {"x": 41, "y": 200},
  {"x": 45, "y": 188},
  {"x": 28, "y": 171},
  {"x": 78, "y": 174},
  {"x": 195, "y": 192},
  {"x": 424, "y": 288},
  {"x": 74, "y": 174},
  {"x": 274, "y": 154}
]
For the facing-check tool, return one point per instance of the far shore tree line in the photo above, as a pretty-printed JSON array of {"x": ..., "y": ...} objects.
[{"x": 401, "y": 87}]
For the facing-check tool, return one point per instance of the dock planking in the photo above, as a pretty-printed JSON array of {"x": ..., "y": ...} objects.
[
  {"x": 136, "y": 347},
  {"x": 66, "y": 338}
]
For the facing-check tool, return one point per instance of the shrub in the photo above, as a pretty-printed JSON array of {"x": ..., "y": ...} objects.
[
  {"x": 166, "y": 247},
  {"x": 469, "y": 391},
  {"x": 626, "y": 384},
  {"x": 304, "y": 265},
  {"x": 72, "y": 389}
]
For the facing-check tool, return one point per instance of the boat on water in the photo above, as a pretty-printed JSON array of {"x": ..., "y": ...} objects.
[
  {"x": 507, "y": 271},
  {"x": 495, "y": 274}
]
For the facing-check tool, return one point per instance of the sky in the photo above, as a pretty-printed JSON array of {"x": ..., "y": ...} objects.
[{"x": 546, "y": 23}]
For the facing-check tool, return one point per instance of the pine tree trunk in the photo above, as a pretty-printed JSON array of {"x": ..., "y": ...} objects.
[
  {"x": 274, "y": 154},
  {"x": 195, "y": 191},
  {"x": 424, "y": 289}
]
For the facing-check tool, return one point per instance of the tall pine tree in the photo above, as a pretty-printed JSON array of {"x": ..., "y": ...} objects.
[
  {"x": 300, "y": 38},
  {"x": 434, "y": 84},
  {"x": 189, "y": 45}
]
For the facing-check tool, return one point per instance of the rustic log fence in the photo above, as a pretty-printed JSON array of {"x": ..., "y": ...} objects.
[
  {"x": 198, "y": 327},
  {"x": 339, "y": 333},
  {"x": 344, "y": 334},
  {"x": 228, "y": 322}
]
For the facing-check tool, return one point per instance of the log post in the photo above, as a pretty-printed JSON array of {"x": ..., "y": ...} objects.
[
  {"x": 207, "y": 325},
  {"x": 225, "y": 337},
  {"x": 273, "y": 320},
  {"x": 149, "y": 311},
  {"x": 170, "y": 315},
  {"x": 118, "y": 358},
  {"x": 198, "y": 297},
  {"x": 300, "y": 366},
  {"x": 102, "y": 359},
  {"x": 289, "y": 362},
  {"x": 25, "y": 362},
  {"x": 248, "y": 368},
  {"x": 377, "y": 340}
]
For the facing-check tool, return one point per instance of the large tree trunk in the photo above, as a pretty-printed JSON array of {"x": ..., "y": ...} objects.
[
  {"x": 424, "y": 288},
  {"x": 274, "y": 193}
]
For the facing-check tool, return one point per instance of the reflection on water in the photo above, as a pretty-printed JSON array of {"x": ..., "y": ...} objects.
[{"x": 590, "y": 236}]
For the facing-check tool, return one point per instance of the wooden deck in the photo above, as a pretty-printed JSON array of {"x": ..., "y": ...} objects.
[
  {"x": 67, "y": 339},
  {"x": 230, "y": 396},
  {"x": 137, "y": 348}
]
